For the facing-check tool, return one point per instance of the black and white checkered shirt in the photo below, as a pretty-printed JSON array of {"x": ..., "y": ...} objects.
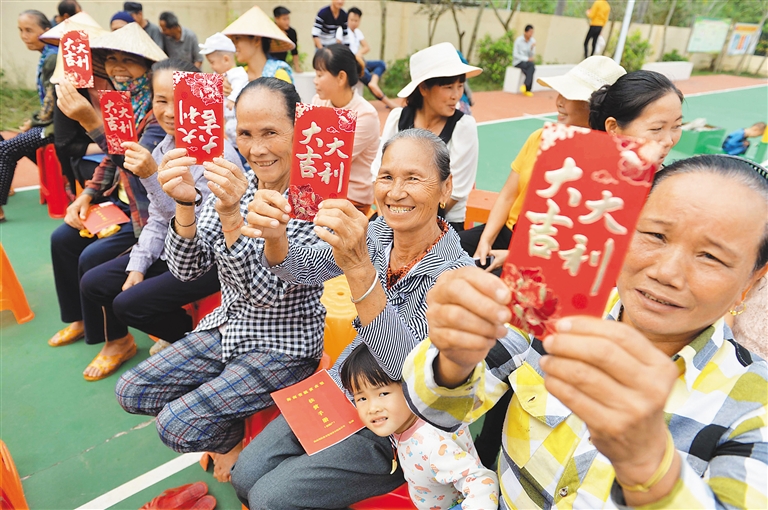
[
  {"x": 403, "y": 322},
  {"x": 258, "y": 310}
]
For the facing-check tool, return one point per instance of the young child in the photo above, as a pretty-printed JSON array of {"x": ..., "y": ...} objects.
[
  {"x": 737, "y": 144},
  {"x": 442, "y": 468},
  {"x": 219, "y": 50}
]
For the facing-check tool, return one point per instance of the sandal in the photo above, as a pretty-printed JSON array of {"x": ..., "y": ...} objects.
[
  {"x": 66, "y": 336},
  {"x": 109, "y": 364}
]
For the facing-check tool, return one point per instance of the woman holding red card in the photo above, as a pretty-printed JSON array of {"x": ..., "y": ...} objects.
[
  {"x": 73, "y": 251},
  {"x": 335, "y": 74},
  {"x": 657, "y": 406}
]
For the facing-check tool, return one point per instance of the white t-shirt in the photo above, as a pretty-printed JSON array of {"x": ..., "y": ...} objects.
[{"x": 354, "y": 38}]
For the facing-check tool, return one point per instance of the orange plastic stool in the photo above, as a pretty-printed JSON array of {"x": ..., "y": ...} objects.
[
  {"x": 11, "y": 491},
  {"x": 338, "y": 319},
  {"x": 11, "y": 294},
  {"x": 398, "y": 499},
  {"x": 52, "y": 189},
  {"x": 479, "y": 205}
]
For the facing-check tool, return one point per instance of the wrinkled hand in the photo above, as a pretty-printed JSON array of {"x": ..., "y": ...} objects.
[
  {"x": 134, "y": 278},
  {"x": 349, "y": 236},
  {"x": 268, "y": 215},
  {"x": 77, "y": 211},
  {"x": 614, "y": 379},
  {"x": 138, "y": 160},
  {"x": 175, "y": 177},
  {"x": 76, "y": 107},
  {"x": 228, "y": 183},
  {"x": 466, "y": 312}
]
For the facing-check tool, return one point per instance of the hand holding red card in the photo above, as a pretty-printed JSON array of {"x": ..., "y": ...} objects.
[
  {"x": 76, "y": 55},
  {"x": 104, "y": 215},
  {"x": 119, "y": 124},
  {"x": 583, "y": 201},
  {"x": 323, "y": 141},
  {"x": 318, "y": 412},
  {"x": 199, "y": 102}
]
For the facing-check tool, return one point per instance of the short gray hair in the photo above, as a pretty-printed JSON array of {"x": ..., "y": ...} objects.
[{"x": 441, "y": 158}]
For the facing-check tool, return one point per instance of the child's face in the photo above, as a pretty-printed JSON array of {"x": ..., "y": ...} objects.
[
  {"x": 220, "y": 62},
  {"x": 383, "y": 408},
  {"x": 283, "y": 22},
  {"x": 353, "y": 21}
]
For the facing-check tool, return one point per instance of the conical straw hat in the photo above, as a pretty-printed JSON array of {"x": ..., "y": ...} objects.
[
  {"x": 80, "y": 21},
  {"x": 255, "y": 22},
  {"x": 131, "y": 39}
]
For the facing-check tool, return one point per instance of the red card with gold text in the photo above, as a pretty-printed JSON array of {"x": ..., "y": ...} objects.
[
  {"x": 103, "y": 215},
  {"x": 579, "y": 215},
  {"x": 119, "y": 124},
  {"x": 318, "y": 412},
  {"x": 322, "y": 153},
  {"x": 199, "y": 102},
  {"x": 76, "y": 55}
]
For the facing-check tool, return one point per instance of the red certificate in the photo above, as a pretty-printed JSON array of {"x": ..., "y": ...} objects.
[
  {"x": 579, "y": 215},
  {"x": 117, "y": 112},
  {"x": 318, "y": 412},
  {"x": 76, "y": 56},
  {"x": 103, "y": 215},
  {"x": 199, "y": 102},
  {"x": 322, "y": 150}
]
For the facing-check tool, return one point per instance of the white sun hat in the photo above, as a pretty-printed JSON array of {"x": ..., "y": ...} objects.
[
  {"x": 217, "y": 42},
  {"x": 255, "y": 22},
  {"x": 80, "y": 21},
  {"x": 438, "y": 61},
  {"x": 589, "y": 75},
  {"x": 131, "y": 39}
]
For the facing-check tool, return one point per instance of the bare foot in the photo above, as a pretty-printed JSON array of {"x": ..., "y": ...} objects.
[
  {"x": 118, "y": 347},
  {"x": 223, "y": 462},
  {"x": 375, "y": 90}
]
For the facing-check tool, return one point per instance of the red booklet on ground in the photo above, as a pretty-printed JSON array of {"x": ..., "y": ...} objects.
[
  {"x": 318, "y": 412},
  {"x": 119, "y": 125},
  {"x": 76, "y": 55},
  {"x": 104, "y": 215},
  {"x": 322, "y": 151},
  {"x": 579, "y": 215},
  {"x": 199, "y": 102}
]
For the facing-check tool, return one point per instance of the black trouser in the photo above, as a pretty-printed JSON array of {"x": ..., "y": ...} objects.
[
  {"x": 471, "y": 238},
  {"x": 594, "y": 33},
  {"x": 12, "y": 150},
  {"x": 153, "y": 306},
  {"x": 528, "y": 69}
]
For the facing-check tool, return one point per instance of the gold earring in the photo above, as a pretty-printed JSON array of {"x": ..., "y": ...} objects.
[
  {"x": 442, "y": 205},
  {"x": 740, "y": 308}
]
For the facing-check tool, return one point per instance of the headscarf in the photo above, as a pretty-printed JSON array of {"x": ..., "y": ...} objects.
[
  {"x": 48, "y": 50},
  {"x": 122, "y": 16},
  {"x": 141, "y": 94}
]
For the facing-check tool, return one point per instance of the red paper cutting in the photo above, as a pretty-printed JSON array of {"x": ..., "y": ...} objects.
[
  {"x": 318, "y": 412},
  {"x": 579, "y": 215},
  {"x": 322, "y": 154},
  {"x": 199, "y": 114},
  {"x": 119, "y": 123},
  {"x": 76, "y": 56}
]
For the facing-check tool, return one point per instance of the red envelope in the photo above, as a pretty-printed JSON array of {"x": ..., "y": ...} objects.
[
  {"x": 119, "y": 123},
  {"x": 322, "y": 153},
  {"x": 76, "y": 56},
  {"x": 199, "y": 102},
  {"x": 579, "y": 214},
  {"x": 103, "y": 215}
]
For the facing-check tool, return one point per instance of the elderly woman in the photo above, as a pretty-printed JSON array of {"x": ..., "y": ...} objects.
[
  {"x": 32, "y": 24},
  {"x": 437, "y": 83},
  {"x": 390, "y": 265},
  {"x": 71, "y": 253},
  {"x": 267, "y": 333},
  {"x": 656, "y": 407}
]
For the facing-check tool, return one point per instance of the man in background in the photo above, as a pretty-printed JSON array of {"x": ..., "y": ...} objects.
[
  {"x": 135, "y": 9},
  {"x": 66, "y": 9},
  {"x": 283, "y": 21},
  {"x": 179, "y": 42},
  {"x": 598, "y": 17},
  {"x": 328, "y": 20},
  {"x": 522, "y": 58}
]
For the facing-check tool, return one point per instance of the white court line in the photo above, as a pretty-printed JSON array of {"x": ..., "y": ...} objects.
[
  {"x": 27, "y": 188},
  {"x": 140, "y": 483}
]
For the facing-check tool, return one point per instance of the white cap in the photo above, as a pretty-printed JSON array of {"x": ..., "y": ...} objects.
[
  {"x": 217, "y": 42},
  {"x": 438, "y": 61},
  {"x": 588, "y": 76}
]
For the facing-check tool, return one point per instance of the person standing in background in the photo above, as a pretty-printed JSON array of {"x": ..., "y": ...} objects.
[
  {"x": 179, "y": 42},
  {"x": 328, "y": 20},
  {"x": 66, "y": 9},
  {"x": 598, "y": 17},
  {"x": 522, "y": 58},
  {"x": 136, "y": 10},
  {"x": 282, "y": 18}
]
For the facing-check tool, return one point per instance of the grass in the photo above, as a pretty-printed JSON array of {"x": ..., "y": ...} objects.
[{"x": 16, "y": 106}]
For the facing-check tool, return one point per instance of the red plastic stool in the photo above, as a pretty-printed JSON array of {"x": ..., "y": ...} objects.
[
  {"x": 202, "y": 307},
  {"x": 52, "y": 189},
  {"x": 398, "y": 499}
]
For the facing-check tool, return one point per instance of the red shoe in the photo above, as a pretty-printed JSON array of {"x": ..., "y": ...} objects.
[
  {"x": 205, "y": 503},
  {"x": 173, "y": 499}
]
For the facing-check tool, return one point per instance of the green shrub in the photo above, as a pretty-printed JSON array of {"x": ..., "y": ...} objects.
[
  {"x": 636, "y": 50},
  {"x": 397, "y": 76},
  {"x": 495, "y": 56},
  {"x": 673, "y": 56}
]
